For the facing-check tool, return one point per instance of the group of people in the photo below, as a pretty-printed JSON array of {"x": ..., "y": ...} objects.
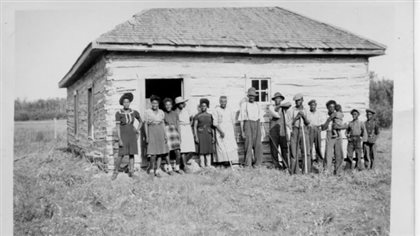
[{"x": 294, "y": 134}]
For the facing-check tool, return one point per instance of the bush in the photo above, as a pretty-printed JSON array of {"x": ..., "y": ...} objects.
[{"x": 381, "y": 97}]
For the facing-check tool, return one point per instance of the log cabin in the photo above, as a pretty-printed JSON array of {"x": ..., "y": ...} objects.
[{"x": 208, "y": 52}]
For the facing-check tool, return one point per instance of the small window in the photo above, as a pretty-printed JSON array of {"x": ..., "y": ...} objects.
[
  {"x": 90, "y": 113},
  {"x": 263, "y": 89},
  {"x": 76, "y": 111}
]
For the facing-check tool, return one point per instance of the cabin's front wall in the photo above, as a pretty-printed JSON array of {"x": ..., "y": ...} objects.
[
  {"x": 80, "y": 140},
  {"x": 344, "y": 79}
]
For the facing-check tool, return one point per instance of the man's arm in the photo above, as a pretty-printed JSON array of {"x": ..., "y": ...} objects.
[{"x": 272, "y": 112}]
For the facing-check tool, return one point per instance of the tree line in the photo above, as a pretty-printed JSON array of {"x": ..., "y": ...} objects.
[
  {"x": 381, "y": 97},
  {"x": 41, "y": 109}
]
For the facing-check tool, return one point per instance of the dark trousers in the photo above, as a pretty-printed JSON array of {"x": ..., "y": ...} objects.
[
  {"x": 297, "y": 150},
  {"x": 117, "y": 163},
  {"x": 252, "y": 143},
  {"x": 333, "y": 153},
  {"x": 354, "y": 145},
  {"x": 369, "y": 152},
  {"x": 276, "y": 142},
  {"x": 315, "y": 140}
]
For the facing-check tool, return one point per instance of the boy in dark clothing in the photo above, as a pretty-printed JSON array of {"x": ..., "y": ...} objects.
[
  {"x": 369, "y": 146},
  {"x": 355, "y": 133}
]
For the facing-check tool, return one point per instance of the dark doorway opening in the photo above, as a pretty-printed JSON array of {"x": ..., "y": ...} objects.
[{"x": 164, "y": 88}]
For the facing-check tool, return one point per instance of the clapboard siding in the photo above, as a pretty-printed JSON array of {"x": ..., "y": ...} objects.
[{"x": 344, "y": 79}]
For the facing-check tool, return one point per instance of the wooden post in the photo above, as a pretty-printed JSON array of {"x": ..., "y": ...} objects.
[{"x": 55, "y": 128}]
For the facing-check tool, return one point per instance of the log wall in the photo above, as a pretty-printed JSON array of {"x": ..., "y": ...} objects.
[{"x": 344, "y": 79}]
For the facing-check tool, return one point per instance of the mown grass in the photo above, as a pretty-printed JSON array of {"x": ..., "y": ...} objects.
[{"x": 58, "y": 194}]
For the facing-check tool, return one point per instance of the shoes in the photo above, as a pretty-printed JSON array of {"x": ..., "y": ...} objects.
[
  {"x": 157, "y": 174},
  {"x": 181, "y": 172},
  {"x": 114, "y": 176},
  {"x": 130, "y": 174}
]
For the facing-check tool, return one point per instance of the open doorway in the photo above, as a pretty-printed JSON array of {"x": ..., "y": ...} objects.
[{"x": 164, "y": 88}]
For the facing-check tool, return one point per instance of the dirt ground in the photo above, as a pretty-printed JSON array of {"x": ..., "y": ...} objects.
[{"x": 56, "y": 193}]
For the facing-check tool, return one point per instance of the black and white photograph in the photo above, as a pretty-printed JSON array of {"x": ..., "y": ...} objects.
[{"x": 208, "y": 118}]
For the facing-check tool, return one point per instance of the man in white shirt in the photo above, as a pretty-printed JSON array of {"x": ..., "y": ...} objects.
[
  {"x": 297, "y": 122},
  {"x": 277, "y": 133},
  {"x": 316, "y": 120},
  {"x": 251, "y": 118}
]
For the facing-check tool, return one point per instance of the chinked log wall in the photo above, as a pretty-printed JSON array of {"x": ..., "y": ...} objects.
[{"x": 344, "y": 79}]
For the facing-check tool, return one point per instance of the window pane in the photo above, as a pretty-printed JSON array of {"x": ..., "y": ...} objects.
[
  {"x": 255, "y": 84},
  {"x": 264, "y": 84},
  {"x": 257, "y": 98},
  {"x": 264, "y": 96}
]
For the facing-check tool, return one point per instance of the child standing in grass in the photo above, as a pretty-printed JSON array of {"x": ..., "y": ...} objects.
[{"x": 356, "y": 134}]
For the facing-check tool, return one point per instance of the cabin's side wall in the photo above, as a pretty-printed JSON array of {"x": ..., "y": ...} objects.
[
  {"x": 81, "y": 141},
  {"x": 344, "y": 79}
]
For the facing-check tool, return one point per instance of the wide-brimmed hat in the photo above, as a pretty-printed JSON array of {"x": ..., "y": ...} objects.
[
  {"x": 297, "y": 97},
  {"x": 355, "y": 110},
  {"x": 128, "y": 96},
  {"x": 285, "y": 104},
  {"x": 179, "y": 100},
  {"x": 252, "y": 92},
  {"x": 312, "y": 101},
  {"x": 370, "y": 110},
  {"x": 276, "y": 95}
]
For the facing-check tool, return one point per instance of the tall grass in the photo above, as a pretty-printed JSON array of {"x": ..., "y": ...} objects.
[{"x": 58, "y": 194}]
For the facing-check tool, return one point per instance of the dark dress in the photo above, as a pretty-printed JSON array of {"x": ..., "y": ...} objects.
[
  {"x": 127, "y": 131},
  {"x": 204, "y": 133}
]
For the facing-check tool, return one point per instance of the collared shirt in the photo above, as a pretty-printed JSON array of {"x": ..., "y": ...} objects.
[
  {"x": 372, "y": 129},
  {"x": 291, "y": 114},
  {"x": 250, "y": 111},
  {"x": 356, "y": 128},
  {"x": 316, "y": 118}
]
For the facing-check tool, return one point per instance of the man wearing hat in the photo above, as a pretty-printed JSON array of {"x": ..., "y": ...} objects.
[
  {"x": 333, "y": 144},
  {"x": 278, "y": 130},
  {"x": 251, "y": 118},
  {"x": 369, "y": 146},
  {"x": 297, "y": 121},
  {"x": 316, "y": 119},
  {"x": 356, "y": 134}
]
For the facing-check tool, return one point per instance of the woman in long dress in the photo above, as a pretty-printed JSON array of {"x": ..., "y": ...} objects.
[
  {"x": 204, "y": 134},
  {"x": 185, "y": 130},
  {"x": 156, "y": 140},
  {"x": 127, "y": 133},
  {"x": 224, "y": 122},
  {"x": 173, "y": 137}
]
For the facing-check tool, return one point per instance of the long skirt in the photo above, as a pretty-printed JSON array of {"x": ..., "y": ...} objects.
[
  {"x": 187, "y": 139},
  {"x": 157, "y": 144},
  {"x": 226, "y": 148},
  {"x": 172, "y": 135}
]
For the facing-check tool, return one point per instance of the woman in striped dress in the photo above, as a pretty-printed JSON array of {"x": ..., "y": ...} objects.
[{"x": 156, "y": 140}]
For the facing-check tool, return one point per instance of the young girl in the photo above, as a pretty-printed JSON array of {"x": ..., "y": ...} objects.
[
  {"x": 204, "y": 134},
  {"x": 157, "y": 146},
  {"x": 172, "y": 134}
]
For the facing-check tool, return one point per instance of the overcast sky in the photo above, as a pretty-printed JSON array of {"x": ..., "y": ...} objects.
[{"x": 49, "y": 38}]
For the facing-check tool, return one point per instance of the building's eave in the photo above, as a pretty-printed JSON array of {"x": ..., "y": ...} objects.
[{"x": 94, "y": 49}]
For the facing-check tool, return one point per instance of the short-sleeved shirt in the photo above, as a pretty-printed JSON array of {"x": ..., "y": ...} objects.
[
  {"x": 124, "y": 117},
  {"x": 250, "y": 111},
  {"x": 356, "y": 128},
  {"x": 155, "y": 117},
  {"x": 171, "y": 118}
]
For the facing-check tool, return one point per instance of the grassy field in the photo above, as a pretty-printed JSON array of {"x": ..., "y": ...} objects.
[{"x": 58, "y": 194}]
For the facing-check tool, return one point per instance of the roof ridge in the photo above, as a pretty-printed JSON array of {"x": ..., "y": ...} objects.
[{"x": 333, "y": 27}]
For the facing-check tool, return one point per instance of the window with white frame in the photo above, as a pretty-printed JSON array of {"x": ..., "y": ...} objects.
[{"x": 262, "y": 85}]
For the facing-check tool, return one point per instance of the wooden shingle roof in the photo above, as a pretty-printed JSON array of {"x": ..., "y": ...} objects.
[
  {"x": 248, "y": 30},
  {"x": 252, "y": 27}
]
